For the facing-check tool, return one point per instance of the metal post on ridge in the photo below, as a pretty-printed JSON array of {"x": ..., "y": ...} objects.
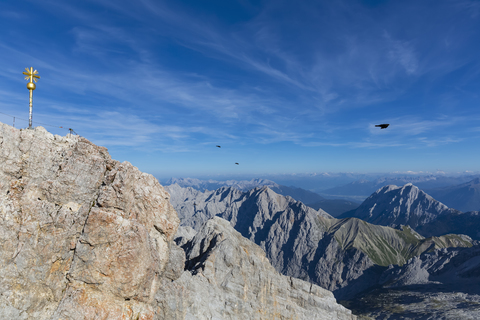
[{"x": 32, "y": 76}]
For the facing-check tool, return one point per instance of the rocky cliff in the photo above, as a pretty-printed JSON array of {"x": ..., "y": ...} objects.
[
  {"x": 83, "y": 236},
  {"x": 229, "y": 277}
]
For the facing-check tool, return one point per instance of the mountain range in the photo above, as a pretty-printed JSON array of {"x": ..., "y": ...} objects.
[
  {"x": 345, "y": 256},
  {"x": 85, "y": 236},
  {"x": 438, "y": 186},
  {"x": 333, "y": 206}
]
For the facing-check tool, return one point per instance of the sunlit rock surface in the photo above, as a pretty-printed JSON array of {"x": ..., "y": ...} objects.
[
  {"x": 229, "y": 277},
  {"x": 82, "y": 236}
]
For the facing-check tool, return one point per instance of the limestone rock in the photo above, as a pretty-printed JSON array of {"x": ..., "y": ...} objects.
[
  {"x": 229, "y": 277},
  {"x": 82, "y": 236},
  {"x": 176, "y": 263},
  {"x": 184, "y": 234}
]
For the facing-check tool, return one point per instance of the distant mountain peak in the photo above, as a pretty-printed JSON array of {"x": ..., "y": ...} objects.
[{"x": 393, "y": 206}]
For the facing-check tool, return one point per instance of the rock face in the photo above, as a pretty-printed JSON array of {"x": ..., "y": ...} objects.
[
  {"x": 229, "y": 277},
  {"x": 344, "y": 256},
  {"x": 81, "y": 236}
]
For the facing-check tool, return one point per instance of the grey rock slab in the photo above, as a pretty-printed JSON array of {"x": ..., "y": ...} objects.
[{"x": 229, "y": 277}]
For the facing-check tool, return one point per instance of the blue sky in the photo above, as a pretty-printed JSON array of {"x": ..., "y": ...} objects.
[{"x": 282, "y": 86}]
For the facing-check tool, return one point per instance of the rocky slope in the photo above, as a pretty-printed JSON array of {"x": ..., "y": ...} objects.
[
  {"x": 344, "y": 256},
  {"x": 458, "y": 222},
  {"x": 464, "y": 197},
  {"x": 229, "y": 277},
  {"x": 442, "y": 284},
  {"x": 83, "y": 236}
]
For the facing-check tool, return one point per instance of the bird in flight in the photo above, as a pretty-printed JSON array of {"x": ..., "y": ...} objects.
[
  {"x": 236, "y": 163},
  {"x": 218, "y": 146},
  {"x": 382, "y": 126}
]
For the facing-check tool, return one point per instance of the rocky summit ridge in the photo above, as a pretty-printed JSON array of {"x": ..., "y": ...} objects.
[{"x": 83, "y": 236}]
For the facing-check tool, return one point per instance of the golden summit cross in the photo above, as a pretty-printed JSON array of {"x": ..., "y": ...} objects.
[{"x": 32, "y": 76}]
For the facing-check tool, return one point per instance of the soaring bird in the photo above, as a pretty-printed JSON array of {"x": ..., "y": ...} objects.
[
  {"x": 236, "y": 163},
  {"x": 218, "y": 146},
  {"x": 382, "y": 126}
]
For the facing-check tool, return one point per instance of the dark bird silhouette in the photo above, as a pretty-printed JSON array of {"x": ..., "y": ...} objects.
[
  {"x": 236, "y": 163},
  {"x": 382, "y": 126},
  {"x": 218, "y": 147}
]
